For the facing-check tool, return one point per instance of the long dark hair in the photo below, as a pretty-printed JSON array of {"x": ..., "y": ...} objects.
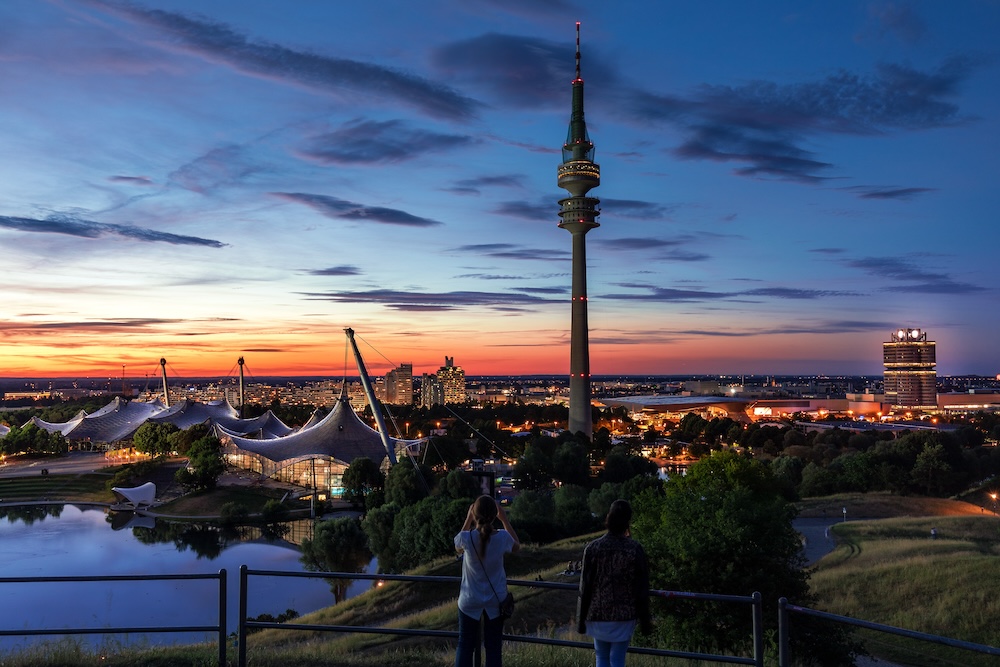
[
  {"x": 619, "y": 517},
  {"x": 484, "y": 513}
]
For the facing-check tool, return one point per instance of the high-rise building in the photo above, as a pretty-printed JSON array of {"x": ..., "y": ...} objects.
[
  {"x": 577, "y": 174},
  {"x": 431, "y": 391},
  {"x": 452, "y": 380},
  {"x": 910, "y": 362},
  {"x": 399, "y": 385}
]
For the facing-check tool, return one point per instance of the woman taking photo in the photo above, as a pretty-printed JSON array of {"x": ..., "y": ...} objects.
[
  {"x": 614, "y": 589},
  {"x": 484, "y": 580}
]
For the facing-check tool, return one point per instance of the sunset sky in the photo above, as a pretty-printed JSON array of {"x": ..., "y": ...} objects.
[{"x": 783, "y": 185}]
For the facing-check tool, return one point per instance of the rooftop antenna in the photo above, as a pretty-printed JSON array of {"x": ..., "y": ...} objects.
[{"x": 578, "y": 52}]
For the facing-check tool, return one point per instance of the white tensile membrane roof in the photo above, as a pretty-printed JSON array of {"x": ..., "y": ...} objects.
[
  {"x": 136, "y": 496},
  {"x": 341, "y": 436}
]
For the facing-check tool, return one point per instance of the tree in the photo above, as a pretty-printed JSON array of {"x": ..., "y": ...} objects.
[
  {"x": 360, "y": 478},
  {"x": 572, "y": 511},
  {"x": 570, "y": 464},
  {"x": 534, "y": 468},
  {"x": 532, "y": 514},
  {"x": 205, "y": 464},
  {"x": 408, "y": 483},
  {"x": 930, "y": 468},
  {"x": 460, "y": 484},
  {"x": 154, "y": 438},
  {"x": 725, "y": 528}
]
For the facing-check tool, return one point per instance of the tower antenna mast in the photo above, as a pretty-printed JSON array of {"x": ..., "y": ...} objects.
[{"x": 578, "y": 213}]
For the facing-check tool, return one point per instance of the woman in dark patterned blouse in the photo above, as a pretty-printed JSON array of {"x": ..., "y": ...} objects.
[{"x": 614, "y": 589}]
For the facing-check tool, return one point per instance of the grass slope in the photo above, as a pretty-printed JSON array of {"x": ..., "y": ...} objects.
[{"x": 890, "y": 571}]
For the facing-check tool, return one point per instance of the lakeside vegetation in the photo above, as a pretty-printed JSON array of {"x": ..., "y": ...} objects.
[
  {"x": 887, "y": 570},
  {"x": 725, "y": 528}
]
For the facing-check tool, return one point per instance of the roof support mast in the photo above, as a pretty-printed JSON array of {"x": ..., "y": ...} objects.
[
  {"x": 372, "y": 401},
  {"x": 166, "y": 392}
]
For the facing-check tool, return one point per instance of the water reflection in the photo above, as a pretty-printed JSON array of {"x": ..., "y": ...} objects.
[
  {"x": 337, "y": 545},
  {"x": 59, "y": 540},
  {"x": 29, "y": 514}
]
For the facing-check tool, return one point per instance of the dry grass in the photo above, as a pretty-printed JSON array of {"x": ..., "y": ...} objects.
[
  {"x": 883, "y": 506},
  {"x": 890, "y": 571}
]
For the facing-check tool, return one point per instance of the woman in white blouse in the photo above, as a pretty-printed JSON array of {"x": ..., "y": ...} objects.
[{"x": 484, "y": 580}]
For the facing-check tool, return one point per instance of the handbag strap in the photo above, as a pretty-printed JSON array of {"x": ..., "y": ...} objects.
[{"x": 483, "y": 566}]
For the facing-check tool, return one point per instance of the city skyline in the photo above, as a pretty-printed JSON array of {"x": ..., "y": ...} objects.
[{"x": 783, "y": 186}]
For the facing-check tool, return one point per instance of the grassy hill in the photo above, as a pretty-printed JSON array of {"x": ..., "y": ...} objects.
[{"x": 889, "y": 570}]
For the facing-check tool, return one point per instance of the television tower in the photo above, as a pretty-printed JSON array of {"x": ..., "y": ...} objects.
[{"x": 577, "y": 174}]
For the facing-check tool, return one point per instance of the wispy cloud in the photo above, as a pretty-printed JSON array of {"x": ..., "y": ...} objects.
[
  {"x": 131, "y": 180},
  {"x": 222, "y": 166},
  {"x": 922, "y": 281},
  {"x": 220, "y": 44},
  {"x": 333, "y": 207},
  {"x": 643, "y": 292},
  {"x": 475, "y": 186},
  {"x": 872, "y": 192},
  {"x": 376, "y": 142},
  {"x": 430, "y": 301},
  {"x": 512, "y": 251},
  {"x": 342, "y": 270},
  {"x": 818, "y": 328},
  {"x": 88, "y": 229},
  {"x": 894, "y": 18},
  {"x": 762, "y": 125},
  {"x": 543, "y": 209},
  {"x": 515, "y": 70}
]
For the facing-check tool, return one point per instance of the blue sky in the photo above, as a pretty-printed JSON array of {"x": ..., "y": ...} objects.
[{"x": 783, "y": 184}]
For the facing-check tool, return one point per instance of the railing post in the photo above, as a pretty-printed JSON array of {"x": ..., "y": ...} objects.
[
  {"x": 242, "y": 629},
  {"x": 222, "y": 617},
  {"x": 758, "y": 630},
  {"x": 782, "y": 632}
]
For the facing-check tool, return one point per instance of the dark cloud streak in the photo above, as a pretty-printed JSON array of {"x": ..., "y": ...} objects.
[
  {"x": 221, "y": 44},
  {"x": 333, "y": 207},
  {"x": 88, "y": 229}
]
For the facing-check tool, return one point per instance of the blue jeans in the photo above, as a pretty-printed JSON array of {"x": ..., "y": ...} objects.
[
  {"x": 610, "y": 654},
  {"x": 468, "y": 640}
]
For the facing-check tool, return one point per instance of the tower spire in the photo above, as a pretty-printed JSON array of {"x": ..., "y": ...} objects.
[
  {"x": 577, "y": 174},
  {"x": 577, "y": 52}
]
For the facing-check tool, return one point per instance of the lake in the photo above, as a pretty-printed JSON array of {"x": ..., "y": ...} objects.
[{"x": 38, "y": 541}]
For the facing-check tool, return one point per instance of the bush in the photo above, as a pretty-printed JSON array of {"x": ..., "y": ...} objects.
[{"x": 233, "y": 514}]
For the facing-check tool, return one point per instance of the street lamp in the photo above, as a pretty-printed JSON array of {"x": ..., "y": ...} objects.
[{"x": 994, "y": 497}]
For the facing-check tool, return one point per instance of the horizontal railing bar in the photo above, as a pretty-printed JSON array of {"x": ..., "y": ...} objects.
[
  {"x": 712, "y": 597},
  {"x": 352, "y": 575},
  {"x": 110, "y": 631},
  {"x": 111, "y": 577},
  {"x": 912, "y": 634}
]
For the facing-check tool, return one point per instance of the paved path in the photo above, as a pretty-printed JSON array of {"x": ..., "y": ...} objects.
[{"x": 817, "y": 542}]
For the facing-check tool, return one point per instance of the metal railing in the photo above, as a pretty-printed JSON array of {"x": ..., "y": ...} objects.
[
  {"x": 245, "y": 624},
  {"x": 219, "y": 627},
  {"x": 784, "y": 631}
]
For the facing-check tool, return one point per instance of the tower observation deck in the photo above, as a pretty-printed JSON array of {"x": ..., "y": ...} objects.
[{"x": 578, "y": 174}]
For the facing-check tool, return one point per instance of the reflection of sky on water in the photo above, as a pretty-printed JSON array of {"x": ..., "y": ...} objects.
[{"x": 83, "y": 543}]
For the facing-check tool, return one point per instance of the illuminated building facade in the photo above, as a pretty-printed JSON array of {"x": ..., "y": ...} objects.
[
  {"x": 399, "y": 385},
  {"x": 910, "y": 362},
  {"x": 452, "y": 380}
]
